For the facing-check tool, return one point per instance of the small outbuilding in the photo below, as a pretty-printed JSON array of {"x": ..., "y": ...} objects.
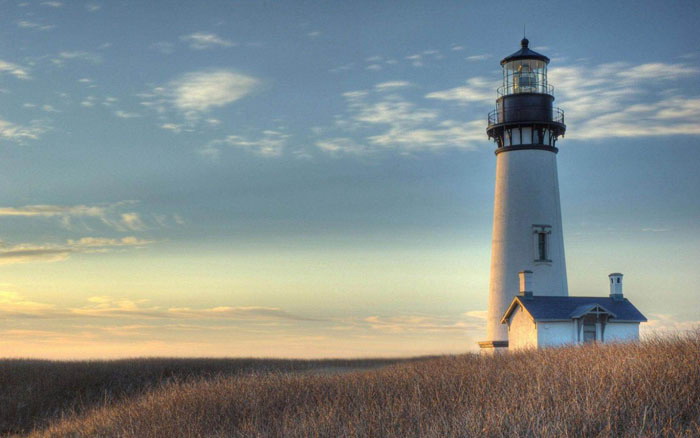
[{"x": 547, "y": 321}]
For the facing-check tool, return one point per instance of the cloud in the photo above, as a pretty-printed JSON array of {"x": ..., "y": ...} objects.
[
  {"x": 13, "y": 69},
  {"x": 376, "y": 120},
  {"x": 52, "y": 4},
  {"x": 426, "y": 323},
  {"x": 92, "y": 242},
  {"x": 86, "y": 216},
  {"x": 13, "y": 305},
  {"x": 625, "y": 100},
  {"x": 126, "y": 115},
  {"x": 54, "y": 210},
  {"x": 477, "y": 57},
  {"x": 231, "y": 312},
  {"x": 202, "y": 91},
  {"x": 92, "y": 7},
  {"x": 30, "y": 253},
  {"x": 342, "y": 146},
  {"x": 132, "y": 221},
  {"x": 419, "y": 59},
  {"x": 22, "y": 133},
  {"x": 478, "y": 89},
  {"x": 660, "y": 324},
  {"x": 392, "y": 85},
  {"x": 194, "y": 94},
  {"x": 203, "y": 41},
  {"x": 80, "y": 55},
  {"x": 25, "y": 24},
  {"x": 270, "y": 143},
  {"x": 26, "y": 253}
]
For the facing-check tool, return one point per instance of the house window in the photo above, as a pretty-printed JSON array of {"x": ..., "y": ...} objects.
[{"x": 541, "y": 235}]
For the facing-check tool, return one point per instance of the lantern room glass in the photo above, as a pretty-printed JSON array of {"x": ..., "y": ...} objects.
[{"x": 525, "y": 76}]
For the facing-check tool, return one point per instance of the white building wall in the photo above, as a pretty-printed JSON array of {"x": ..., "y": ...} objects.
[
  {"x": 522, "y": 333},
  {"x": 556, "y": 334},
  {"x": 527, "y": 194},
  {"x": 621, "y": 332}
]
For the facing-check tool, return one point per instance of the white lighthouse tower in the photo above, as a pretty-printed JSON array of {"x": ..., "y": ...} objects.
[{"x": 527, "y": 225}]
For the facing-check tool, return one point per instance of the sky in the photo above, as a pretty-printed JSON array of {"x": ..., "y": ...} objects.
[{"x": 313, "y": 178}]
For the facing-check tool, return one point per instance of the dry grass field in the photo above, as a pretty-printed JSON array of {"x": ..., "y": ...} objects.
[{"x": 646, "y": 390}]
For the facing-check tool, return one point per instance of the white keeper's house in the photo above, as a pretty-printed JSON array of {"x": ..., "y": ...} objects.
[{"x": 529, "y": 304}]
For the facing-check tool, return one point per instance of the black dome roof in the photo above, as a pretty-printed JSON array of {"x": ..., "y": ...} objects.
[{"x": 525, "y": 53}]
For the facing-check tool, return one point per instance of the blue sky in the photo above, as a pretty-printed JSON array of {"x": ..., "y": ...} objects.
[{"x": 314, "y": 179}]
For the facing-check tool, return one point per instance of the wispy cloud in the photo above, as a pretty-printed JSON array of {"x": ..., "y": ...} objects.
[
  {"x": 26, "y": 24},
  {"x": 343, "y": 146},
  {"x": 270, "y": 143},
  {"x": 625, "y": 100},
  {"x": 478, "y": 57},
  {"x": 132, "y": 221},
  {"x": 21, "y": 133},
  {"x": 13, "y": 69},
  {"x": 27, "y": 253},
  {"x": 478, "y": 89},
  {"x": 420, "y": 59},
  {"x": 377, "y": 119},
  {"x": 204, "y": 40},
  {"x": 423, "y": 323},
  {"x": 392, "y": 85},
  {"x": 92, "y": 242},
  {"x": 80, "y": 55},
  {"x": 85, "y": 216},
  {"x": 659, "y": 324},
  {"x": 32, "y": 253},
  {"x": 52, "y": 4},
  {"x": 126, "y": 115},
  {"x": 14, "y": 305}
]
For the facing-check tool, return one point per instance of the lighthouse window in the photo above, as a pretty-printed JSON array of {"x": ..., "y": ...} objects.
[
  {"x": 542, "y": 246},
  {"x": 541, "y": 235},
  {"x": 524, "y": 76},
  {"x": 546, "y": 137},
  {"x": 537, "y": 136}
]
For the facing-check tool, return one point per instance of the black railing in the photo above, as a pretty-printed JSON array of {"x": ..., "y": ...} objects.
[{"x": 526, "y": 114}]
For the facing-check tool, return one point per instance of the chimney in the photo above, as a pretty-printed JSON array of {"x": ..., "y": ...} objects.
[
  {"x": 616, "y": 286},
  {"x": 525, "y": 284}
]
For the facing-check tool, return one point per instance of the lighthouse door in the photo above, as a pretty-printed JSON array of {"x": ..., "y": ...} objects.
[{"x": 589, "y": 330}]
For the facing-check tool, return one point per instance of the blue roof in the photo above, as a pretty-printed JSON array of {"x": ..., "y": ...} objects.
[{"x": 544, "y": 308}]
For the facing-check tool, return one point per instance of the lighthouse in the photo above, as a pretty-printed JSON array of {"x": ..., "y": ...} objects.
[{"x": 527, "y": 225}]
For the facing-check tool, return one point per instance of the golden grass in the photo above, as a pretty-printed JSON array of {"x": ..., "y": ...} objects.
[
  {"x": 34, "y": 393},
  {"x": 628, "y": 390}
]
